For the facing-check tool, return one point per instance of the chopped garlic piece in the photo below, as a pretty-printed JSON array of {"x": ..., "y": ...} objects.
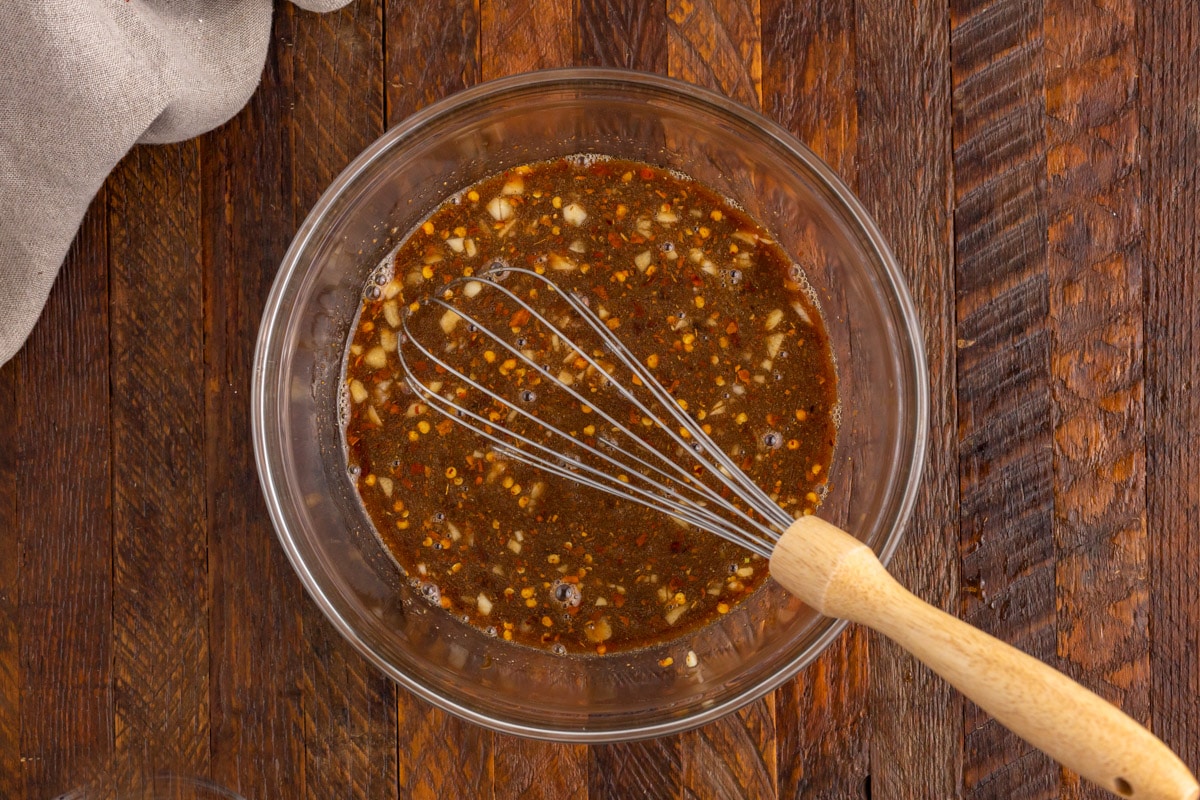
[
  {"x": 391, "y": 312},
  {"x": 774, "y": 342},
  {"x": 449, "y": 320},
  {"x": 376, "y": 358},
  {"x": 500, "y": 209},
  {"x": 574, "y": 214},
  {"x": 562, "y": 263}
]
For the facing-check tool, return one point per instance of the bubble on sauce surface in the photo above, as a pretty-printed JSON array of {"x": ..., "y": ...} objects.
[
  {"x": 567, "y": 593},
  {"x": 343, "y": 405},
  {"x": 799, "y": 276},
  {"x": 680, "y": 175},
  {"x": 386, "y": 269},
  {"x": 587, "y": 159},
  {"x": 495, "y": 270},
  {"x": 430, "y": 591},
  {"x": 772, "y": 439},
  {"x": 558, "y": 649}
]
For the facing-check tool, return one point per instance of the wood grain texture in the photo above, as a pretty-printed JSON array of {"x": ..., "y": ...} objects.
[
  {"x": 901, "y": 57},
  {"x": 823, "y": 742},
  {"x": 519, "y": 37},
  {"x": 718, "y": 44},
  {"x": 733, "y": 757},
  {"x": 431, "y": 50},
  {"x": 1169, "y": 48},
  {"x": 160, "y": 559},
  {"x": 350, "y": 712},
  {"x": 65, "y": 522},
  {"x": 809, "y": 87},
  {"x": 441, "y": 756},
  {"x": 529, "y": 770},
  {"x": 645, "y": 769},
  {"x": 524, "y": 35},
  {"x": 255, "y": 632},
  {"x": 1095, "y": 268},
  {"x": 622, "y": 33},
  {"x": 809, "y": 77},
  {"x": 1005, "y": 449},
  {"x": 11, "y": 784}
]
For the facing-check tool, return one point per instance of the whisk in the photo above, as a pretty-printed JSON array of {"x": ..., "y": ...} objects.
[{"x": 652, "y": 452}]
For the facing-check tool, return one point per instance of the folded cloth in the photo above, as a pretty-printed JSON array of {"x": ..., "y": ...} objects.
[{"x": 81, "y": 82}]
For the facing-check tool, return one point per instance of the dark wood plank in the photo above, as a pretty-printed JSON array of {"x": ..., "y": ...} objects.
[
  {"x": 733, "y": 757},
  {"x": 441, "y": 756},
  {"x": 255, "y": 635},
  {"x": 1169, "y": 49},
  {"x": 901, "y": 58},
  {"x": 638, "y": 769},
  {"x": 718, "y": 44},
  {"x": 1095, "y": 266},
  {"x": 524, "y": 35},
  {"x": 809, "y": 87},
  {"x": 518, "y": 37},
  {"x": 529, "y": 770},
  {"x": 622, "y": 33},
  {"x": 809, "y": 77},
  {"x": 65, "y": 520},
  {"x": 350, "y": 713},
  {"x": 646, "y": 769},
  {"x": 431, "y": 50},
  {"x": 1005, "y": 447},
  {"x": 823, "y": 735},
  {"x": 160, "y": 559},
  {"x": 11, "y": 784}
]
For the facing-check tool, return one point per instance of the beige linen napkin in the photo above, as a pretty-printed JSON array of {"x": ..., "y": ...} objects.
[{"x": 81, "y": 82}]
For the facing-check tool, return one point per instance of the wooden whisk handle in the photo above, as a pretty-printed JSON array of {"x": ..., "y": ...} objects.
[{"x": 840, "y": 576}]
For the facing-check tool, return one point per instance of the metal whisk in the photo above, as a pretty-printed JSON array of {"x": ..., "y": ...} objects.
[
  {"x": 629, "y": 467},
  {"x": 652, "y": 452}
]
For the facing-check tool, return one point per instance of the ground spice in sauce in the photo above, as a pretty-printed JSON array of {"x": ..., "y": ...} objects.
[{"x": 700, "y": 294}]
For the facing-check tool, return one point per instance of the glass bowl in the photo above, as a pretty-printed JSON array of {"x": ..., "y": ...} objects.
[{"x": 389, "y": 189}]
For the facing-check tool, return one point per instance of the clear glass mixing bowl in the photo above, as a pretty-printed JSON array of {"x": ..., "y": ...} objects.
[{"x": 393, "y": 185}]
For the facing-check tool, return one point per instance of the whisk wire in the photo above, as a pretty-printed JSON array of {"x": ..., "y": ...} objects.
[
  {"x": 695, "y": 506},
  {"x": 689, "y": 482},
  {"x": 671, "y": 502}
]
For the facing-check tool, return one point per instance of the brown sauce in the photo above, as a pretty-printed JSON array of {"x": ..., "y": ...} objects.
[{"x": 700, "y": 295}]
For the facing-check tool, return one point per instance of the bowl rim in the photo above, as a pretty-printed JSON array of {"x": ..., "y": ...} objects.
[{"x": 576, "y": 77}]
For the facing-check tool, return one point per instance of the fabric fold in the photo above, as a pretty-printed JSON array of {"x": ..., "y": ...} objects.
[{"x": 82, "y": 82}]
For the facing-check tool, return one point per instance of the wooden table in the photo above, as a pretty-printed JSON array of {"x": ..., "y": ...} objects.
[{"x": 1034, "y": 165}]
